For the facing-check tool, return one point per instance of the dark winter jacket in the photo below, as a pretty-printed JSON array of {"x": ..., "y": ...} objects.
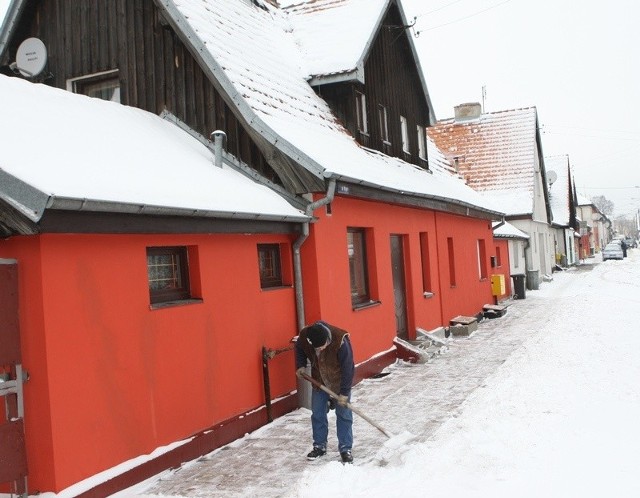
[{"x": 333, "y": 366}]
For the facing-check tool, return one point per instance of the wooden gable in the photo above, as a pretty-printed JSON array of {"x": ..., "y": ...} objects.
[
  {"x": 391, "y": 81},
  {"x": 156, "y": 70}
]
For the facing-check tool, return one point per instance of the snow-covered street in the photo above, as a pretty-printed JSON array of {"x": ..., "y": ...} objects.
[{"x": 544, "y": 401}]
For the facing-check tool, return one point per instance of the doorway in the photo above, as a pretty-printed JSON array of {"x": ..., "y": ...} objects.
[{"x": 399, "y": 286}]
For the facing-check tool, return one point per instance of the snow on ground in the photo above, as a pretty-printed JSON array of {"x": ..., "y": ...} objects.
[
  {"x": 543, "y": 402},
  {"x": 558, "y": 418}
]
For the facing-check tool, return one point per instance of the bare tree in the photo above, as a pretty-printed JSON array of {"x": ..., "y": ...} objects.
[{"x": 604, "y": 205}]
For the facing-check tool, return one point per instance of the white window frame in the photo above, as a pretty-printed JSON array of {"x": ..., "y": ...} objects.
[
  {"x": 361, "y": 112},
  {"x": 383, "y": 121},
  {"x": 422, "y": 142},
  {"x": 405, "y": 134},
  {"x": 73, "y": 84}
]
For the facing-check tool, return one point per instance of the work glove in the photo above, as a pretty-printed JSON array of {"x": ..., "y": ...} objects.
[
  {"x": 300, "y": 371},
  {"x": 342, "y": 400}
]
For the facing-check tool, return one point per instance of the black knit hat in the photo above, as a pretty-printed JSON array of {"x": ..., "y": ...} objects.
[{"x": 317, "y": 335}]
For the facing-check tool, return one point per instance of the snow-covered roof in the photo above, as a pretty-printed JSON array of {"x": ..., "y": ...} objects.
[
  {"x": 334, "y": 35},
  {"x": 254, "y": 56},
  {"x": 583, "y": 200},
  {"x": 58, "y": 146},
  {"x": 559, "y": 189},
  {"x": 507, "y": 231},
  {"x": 495, "y": 153}
]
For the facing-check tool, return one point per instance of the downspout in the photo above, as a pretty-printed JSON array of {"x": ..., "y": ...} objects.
[
  {"x": 502, "y": 222},
  {"x": 297, "y": 262}
]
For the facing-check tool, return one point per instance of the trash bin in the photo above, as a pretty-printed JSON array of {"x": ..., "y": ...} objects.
[
  {"x": 533, "y": 279},
  {"x": 519, "y": 286}
]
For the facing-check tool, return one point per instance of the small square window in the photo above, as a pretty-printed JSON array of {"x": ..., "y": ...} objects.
[
  {"x": 168, "y": 271},
  {"x": 105, "y": 86},
  {"x": 269, "y": 262}
]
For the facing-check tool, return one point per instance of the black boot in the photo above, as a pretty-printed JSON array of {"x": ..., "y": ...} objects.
[{"x": 316, "y": 452}]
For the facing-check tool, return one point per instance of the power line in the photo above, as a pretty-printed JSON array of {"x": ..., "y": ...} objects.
[{"x": 462, "y": 18}]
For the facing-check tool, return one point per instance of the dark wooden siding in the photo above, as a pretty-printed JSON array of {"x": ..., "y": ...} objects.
[
  {"x": 156, "y": 70},
  {"x": 391, "y": 80}
]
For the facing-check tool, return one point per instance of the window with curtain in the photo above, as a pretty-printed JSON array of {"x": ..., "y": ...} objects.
[
  {"x": 168, "y": 272},
  {"x": 269, "y": 263},
  {"x": 105, "y": 86}
]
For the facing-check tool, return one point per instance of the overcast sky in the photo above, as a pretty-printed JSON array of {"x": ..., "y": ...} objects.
[{"x": 577, "y": 62}]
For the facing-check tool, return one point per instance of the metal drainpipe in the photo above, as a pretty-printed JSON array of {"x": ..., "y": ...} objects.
[
  {"x": 502, "y": 222},
  {"x": 218, "y": 137},
  {"x": 297, "y": 263}
]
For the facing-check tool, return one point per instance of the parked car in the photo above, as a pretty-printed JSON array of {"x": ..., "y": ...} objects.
[
  {"x": 612, "y": 251},
  {"x": 631, "y": 242}
]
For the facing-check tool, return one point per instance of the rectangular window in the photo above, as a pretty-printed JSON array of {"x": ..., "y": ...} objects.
[
  {"x": 426, "y": 262},
  {"x": 405, "y": 134},
  {"x": 357, "y": 251},
  {"x": 422, "y": 143},
  {"x": 361, "y": 112},
  {"x": 383, "y": 124},
  {"x": 498, "y": 257},
  {"x": 452, "y": 264},
  {"x": 105, "y": 86},
  {"x": 482, "y": 259},
  {"x": 168, "y": 271},
  {"x": 269, "y": 262}
]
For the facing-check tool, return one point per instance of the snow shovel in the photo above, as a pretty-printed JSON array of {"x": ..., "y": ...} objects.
[{"x": 349, "y": 405}]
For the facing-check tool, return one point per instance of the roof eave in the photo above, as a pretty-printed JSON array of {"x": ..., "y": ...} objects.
[
  {"x": 351, "y": 75},
  {"x": 94, "y": 205},
  {"x": 9, "y": 24},
  {"x": 363, "y": 189}
]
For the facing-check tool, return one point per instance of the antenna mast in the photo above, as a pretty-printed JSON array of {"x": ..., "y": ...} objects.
[{"x": 484, "y": 96}]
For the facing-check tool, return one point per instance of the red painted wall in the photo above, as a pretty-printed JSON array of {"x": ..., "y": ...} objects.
[
  {"x": 326, "y": 270},
  {"x": 470, "y": 293},
  {"x": 112, "y": 379}
]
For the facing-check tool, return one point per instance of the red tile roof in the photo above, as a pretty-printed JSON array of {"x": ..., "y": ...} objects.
[{"x": 495, "y": 152}]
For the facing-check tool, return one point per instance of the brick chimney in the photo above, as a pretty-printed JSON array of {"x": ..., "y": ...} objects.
[{"x": 468, "y": 111}]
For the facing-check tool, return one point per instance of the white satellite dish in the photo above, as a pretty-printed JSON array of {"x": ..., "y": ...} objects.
[
  {"x": 552, "y": 176},
  {"x": 31, "y": 57}
]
